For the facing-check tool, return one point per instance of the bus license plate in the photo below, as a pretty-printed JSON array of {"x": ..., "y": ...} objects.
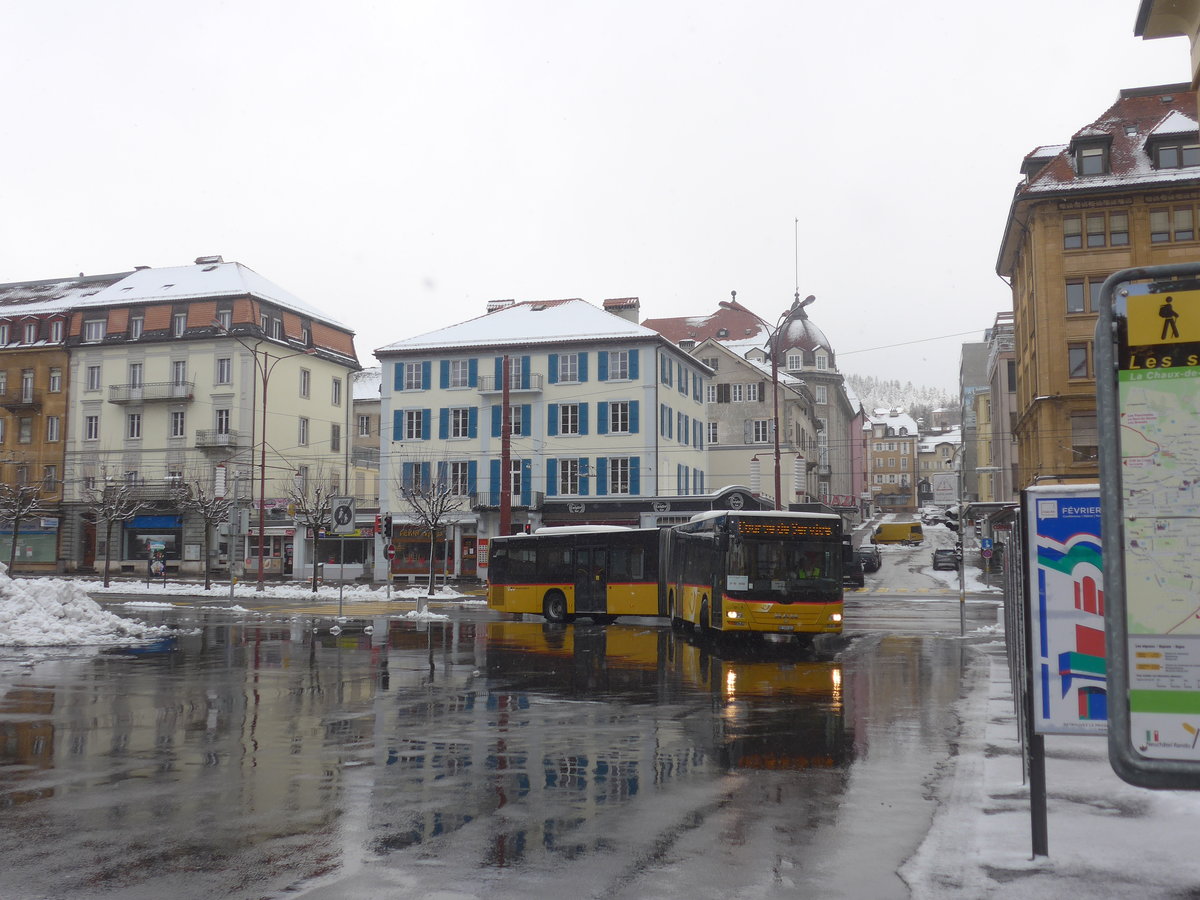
[{"x": 786, "y": 627}]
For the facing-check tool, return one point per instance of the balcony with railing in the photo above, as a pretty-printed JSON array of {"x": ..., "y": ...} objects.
[
  {"x": 531, "y": 383},
  {"x": 365, "y": 457},
  {"x": 152, "y": 391},
  {"x": 212, "y": 438},
  {"x": 491, "y": 500},
  {"x": 21, "y": 400}
]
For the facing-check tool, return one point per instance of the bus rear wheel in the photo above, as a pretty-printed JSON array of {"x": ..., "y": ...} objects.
[
  {"x": 703, "y": 625},
  {"x": 554, "y": 608}
]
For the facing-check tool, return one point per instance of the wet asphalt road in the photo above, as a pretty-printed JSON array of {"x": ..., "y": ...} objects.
[{"x": 259, "y": 755}]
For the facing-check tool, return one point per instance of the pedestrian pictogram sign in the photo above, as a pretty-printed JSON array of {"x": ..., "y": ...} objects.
[{"x": 343, "y": 515}]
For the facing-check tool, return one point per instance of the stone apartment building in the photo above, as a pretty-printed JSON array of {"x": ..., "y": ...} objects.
[{"x": 892, "y": 442}]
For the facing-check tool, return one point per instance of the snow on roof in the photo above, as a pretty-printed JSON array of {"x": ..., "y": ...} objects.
[
  {"x": 1175, "y": 123},
  {"x": 929, "y": 442},
  {"x": 896, "y": 419},
  {"x": 530, "y": 322},
  {"x": 29, "y": 298},
  {"x": 204, "y": 280},
  {"x": 366, "y": 383}
]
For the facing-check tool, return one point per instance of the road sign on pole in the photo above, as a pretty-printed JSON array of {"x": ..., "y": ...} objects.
[{"x": 343, "y": 515}]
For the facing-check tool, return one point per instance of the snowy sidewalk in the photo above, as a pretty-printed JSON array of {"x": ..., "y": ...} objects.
[{"x": 1106, "y": 838}]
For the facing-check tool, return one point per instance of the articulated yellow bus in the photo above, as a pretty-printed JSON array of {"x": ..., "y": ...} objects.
[{"x": 744, "y": 572}]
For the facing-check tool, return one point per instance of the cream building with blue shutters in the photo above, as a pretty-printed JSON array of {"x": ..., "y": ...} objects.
[{"x": 601, "y": 408}]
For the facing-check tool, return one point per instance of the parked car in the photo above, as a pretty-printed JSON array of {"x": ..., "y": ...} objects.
[
  {"x": 852, "y": 572},
  {"x": 945, "y": 559},
  {"x": 870, "y": 558}
]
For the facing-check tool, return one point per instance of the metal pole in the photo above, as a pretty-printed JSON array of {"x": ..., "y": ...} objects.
[
  {"x": 505, "y": 455},
  {"x": 262, "y": 474},
  {"x": 775, "y": 387}
]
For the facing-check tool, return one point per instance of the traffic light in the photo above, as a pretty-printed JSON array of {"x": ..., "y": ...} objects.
[
  {"x": 378, "y": 523},
  {"x": 387, "y": 526}
]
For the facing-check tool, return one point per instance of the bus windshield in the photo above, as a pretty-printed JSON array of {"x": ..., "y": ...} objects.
[{"x": 788, "y": 566}]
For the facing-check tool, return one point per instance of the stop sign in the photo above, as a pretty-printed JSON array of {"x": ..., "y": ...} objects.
[{"x": 390, "y": 552}]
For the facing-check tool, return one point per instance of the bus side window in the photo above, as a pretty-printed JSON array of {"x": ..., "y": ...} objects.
[{"x": 556, "y": 564}]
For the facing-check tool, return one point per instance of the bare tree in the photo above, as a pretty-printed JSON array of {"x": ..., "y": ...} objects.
[
  {"x": 19, "y": 502},
  {"x": 111, "y": 502},
  {"x": 312, "y": 498},
  {"x": 430, "y": 501},
  {"x": 199, "y": 496}
]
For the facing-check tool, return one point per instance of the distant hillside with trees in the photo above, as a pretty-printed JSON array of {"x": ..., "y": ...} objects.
[{"x": 918, "y": 402}]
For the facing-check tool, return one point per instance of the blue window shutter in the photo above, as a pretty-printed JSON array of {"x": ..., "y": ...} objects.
[
  {"x": 552, "y": 419},
  {"x": 602, "y": 417},
  {"x": 406, "y": 474},
  {"x": 443, "y": 474},
  {"x": 583, "y": 418},
  {"x": 633, "y": 417},
  {"x": 635, "y": 475},
  {"x": 444, "y": 374},
  {"x": 397, "y": 425},
  {"x": 472, "y": 477},
  {"x": 633, "y": 364},
  {"x": 526, "y": 365},
  {"x": 496, "y": 423},
  {"x": 425, "y": 475},
  {"x": 473, "y": 372},
  {"x": 583, "y": 366},
  {"x": 499, "y": 373},
  {"x": 426, "y": 434},
  {"x": 443, "y": 423},
  {"x": 526, "y": 476},
  {"x": 473, "y": 422},
  {"x": 602, "y": 365},
  {"x": 526, "y": 419},
  {"x": 398, "y": 378},
  {"x": 551, "y": 477},
  {"x": 426, "y": 375},
  {"x": 553, "y": 368},
  {"x": 584, "y": 483},
  {"x": 601, "y": 476},
  {"x": 679, "y": 480},
  {"x": 496, "y": 485}
]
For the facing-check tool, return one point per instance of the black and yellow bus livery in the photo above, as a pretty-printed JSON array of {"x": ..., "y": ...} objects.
[
  {"x": 722, "y": 572},
  {"x": 597, "y": 571},
  {"x": 756, "y": 572}
]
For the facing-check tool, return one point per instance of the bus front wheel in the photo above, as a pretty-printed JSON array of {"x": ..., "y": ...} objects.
[{"x": 554, "y": 608}]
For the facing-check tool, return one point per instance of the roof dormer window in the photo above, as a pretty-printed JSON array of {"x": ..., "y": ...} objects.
[
  {"x": 1177, "y": 155},
  {"x": 1091, "y": 160}
]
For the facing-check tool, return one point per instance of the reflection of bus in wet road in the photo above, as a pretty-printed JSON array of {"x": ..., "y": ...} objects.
[
  {"x": 771, "y": 707},
  {"x": 751, "y": 572}
]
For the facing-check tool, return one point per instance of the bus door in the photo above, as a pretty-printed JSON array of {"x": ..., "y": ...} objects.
[{"x": 591, "y": 580}]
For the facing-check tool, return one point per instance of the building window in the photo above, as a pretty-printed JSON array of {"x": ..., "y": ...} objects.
[
  {"x": 822, "y": 361},
  {"x": 177, "y": 424},
  {"x": 31, "y": 332},
  {"x": 301, "y": 479},
  {"x": 137, "y": 325},
  {"x": 1177, "y": 156},
  {"x": 135, "y": 375},
  {"x": 56, "y": 331},
  {"x": 264, "y": 323},
  {"x": 93, "y": 331},
  {"x": 364, "y": 426},
  {"x": 305, "y": 382},
  {"x": 460, "y": 422},
  {"x": 713, "y": 362},
  {"x": 335, "y": 436},
  {"x": 737, "y": 393},
  {"x": 93, "y": 378},
  {"x": 178, "y": 324},
  {"x": 568, "y": 418},
  {"x": 618, "y": 365},
  {"x": 1084, "y": 294},
  {"x": 413, "y": 380},
  {"x": 568, "y": 476},
  {"x": 822, "y": 393},
  {"x": 49, "y": 479},
  {"x": 754, "y": 392},
  {"x": 712, "y": 432},
  {"x": 710, "y": 393},
  {"x": 760, "y": 431},
  {"x": 1084, "y": 442},
  {"x": 460, "y": 479},
  {"x": 4, "y": 334},
  {"x": 336, "y": 392},
  {"x": 223, "y": 419},
  {"x": 224, "y": 370},
  {"x": 618, "y": 475},
  {"x": 618, "y": 417},
  {"x": 55, "y": 381},
  {"x": 179, "y": 372},
  {"x": 1077, "y": 361},
  {"x": 225, "y": 319},
  {"x": 1091, "y": 160},
  {"x": 2, "y": 420},
  {"x": 91, "y": 428},
  {"x": 460, "y": 373},
  {"x": 52, "y": 428},
  {"x": 302, "y": 432},
  {"x": 413, "y": 425},
  {"x": 568, "y": 367},
  {"x": 1177, "y": 223},
  {"x": 133, "y": 426}
]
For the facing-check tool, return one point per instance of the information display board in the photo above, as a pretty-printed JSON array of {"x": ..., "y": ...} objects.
[{"x": 1148, "y": 416}]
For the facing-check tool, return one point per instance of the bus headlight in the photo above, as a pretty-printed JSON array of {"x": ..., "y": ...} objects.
[
  {"x": 836, "y": 617},
  {"x": 733, "y": 614}
]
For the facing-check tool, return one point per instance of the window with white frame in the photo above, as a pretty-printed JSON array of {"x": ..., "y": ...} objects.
[
  {"x": 753, "y": 394},
  {"x": 55, "y": 380},
  {"x": 222, "y": 420},
  {"x": 364, "y": 426},
  {"x": 179, "y": 324},
  {"x": 177, "y": 423},
  {"x": 822, "y": 393},
  {"x": 760, "y": 431},
  {"x": 136, "y": 375},
  {"x": 568, "y": 476},
  {"x": 712, "y": 432},
  {"x": 460, "y": 373},
  {"x": 737, "y": 393},
  {"x": 460, "y": 422},
  {"x": 335, "y": 392},
  {"x": 618, "y": 417},
  {"x": 618, "y": 475},
  {"x": 133, "y": 426},
  {"x": 224, "y": 370},
  {"x": 515, "y": 482},
  {"x": 56, "y": 331},
  {"x": 822, "y": 361},
  {"x": 516, "y": 421},
  {"x": 568, "y": 367},
  {"x": 91, "y": 428},
  {"x": 179, "y": 371},
  {"x": 795, "y": 361},
  {"x": 414, "y": 376},
  {"x": 414, "y": 425},
  {"x": 710, "y": 393},
  {"x": 94, "y": 330},
  {"x": 618, "y": 365},
  {"x": 568, "y": 418},
  {"x": 302, "y": 432},
  {"x": 4, "y": 333},
  {"x": 92, "y": 379},
  {"x": 137, "y": 325},
  {"x": 49, "y": 479},
  {"x": 53, "y": 427},
  {"x": 225, "y": 319},
  {"x": 460, "y": 479},
  {"x": 305, "y": 382},
  {"x": 31, "y": 332}
]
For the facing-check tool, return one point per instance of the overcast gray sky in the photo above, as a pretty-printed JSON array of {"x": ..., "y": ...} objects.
[{"x": 399, "y": 164}]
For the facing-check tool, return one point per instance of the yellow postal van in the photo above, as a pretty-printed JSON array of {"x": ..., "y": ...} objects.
[{"x": 898, "y": 533}]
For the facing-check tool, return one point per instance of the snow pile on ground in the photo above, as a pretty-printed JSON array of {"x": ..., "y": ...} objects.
[
  {"x": 248, "y": 590},
  {"x": 51, "y": 612}
]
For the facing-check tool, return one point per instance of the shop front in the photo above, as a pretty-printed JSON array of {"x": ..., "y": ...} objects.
[
  {"x": 146, "y": 538},
  {"x": 37, "y": 545},
  {"x": 276, "y": 551},
  {"x": 454, "y": 552}
]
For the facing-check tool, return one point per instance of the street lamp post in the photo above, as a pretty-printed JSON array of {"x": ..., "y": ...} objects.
[
  {"x": 772, "y": 334},
  {"x": 264, "y": 367}
]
